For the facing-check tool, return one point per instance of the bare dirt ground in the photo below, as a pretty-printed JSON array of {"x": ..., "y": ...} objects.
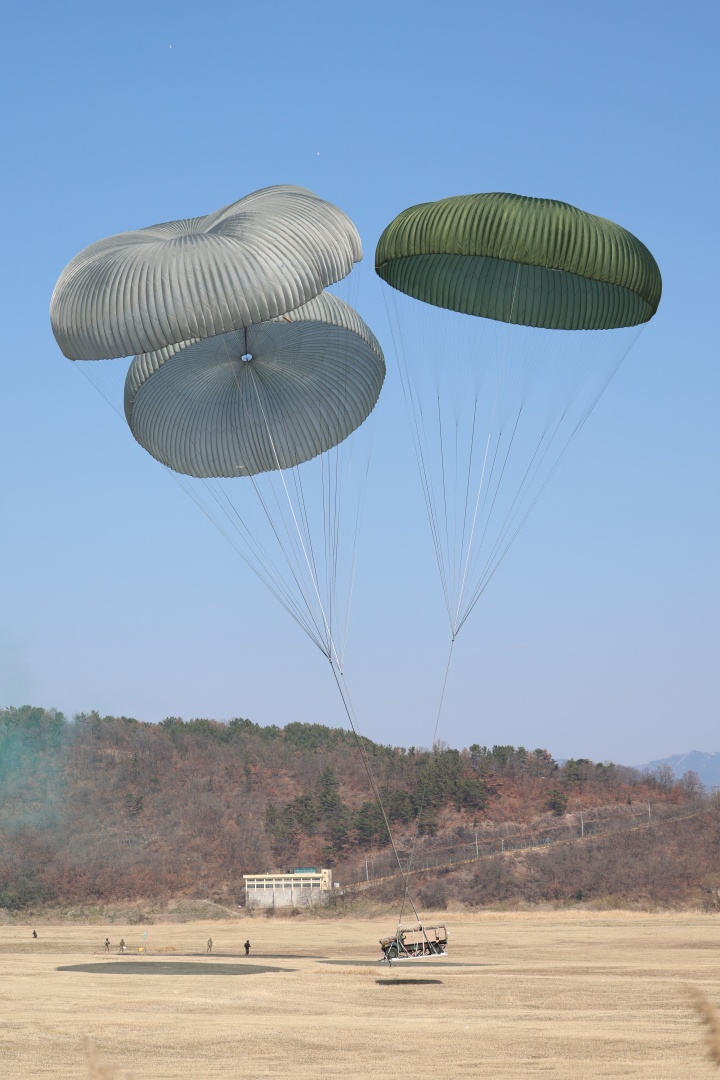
[{"x": 563, "y": 995}]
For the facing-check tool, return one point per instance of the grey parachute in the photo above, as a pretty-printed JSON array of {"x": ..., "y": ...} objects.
[
  {"x": 259, "y": 257},
  {"x": 250, "y": 382},
  {"x": 270, "y": 396}
]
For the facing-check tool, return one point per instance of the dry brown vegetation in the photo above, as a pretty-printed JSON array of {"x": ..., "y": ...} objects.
[
  {"x": 666, "y": 864},
  {"x": 711, "y": 1019},
  {"x": 564, "y": 994},
  {"x": 103, "y": 809}
]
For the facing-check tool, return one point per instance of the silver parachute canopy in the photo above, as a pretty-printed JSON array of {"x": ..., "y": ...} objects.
[
  {"x": 267, "y": 397},
  {"x": 251, "y": 261}
]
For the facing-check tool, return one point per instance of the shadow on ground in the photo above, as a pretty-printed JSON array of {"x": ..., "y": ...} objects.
[
  {"x": 256, "y": 956},
  {"x": 409, "y": 982},
  {"x": 168, "y": 967}
]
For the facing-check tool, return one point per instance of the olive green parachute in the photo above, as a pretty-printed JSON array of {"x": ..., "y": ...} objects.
[
  {"x": 496, "y": 385},
  {"x": 533, "y": 262}
]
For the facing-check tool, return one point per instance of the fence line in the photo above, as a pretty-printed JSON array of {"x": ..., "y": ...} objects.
[{"x": 480, "y": 849}]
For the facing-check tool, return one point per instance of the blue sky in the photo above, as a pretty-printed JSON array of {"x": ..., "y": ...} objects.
[{"x": 599, "y": 635}]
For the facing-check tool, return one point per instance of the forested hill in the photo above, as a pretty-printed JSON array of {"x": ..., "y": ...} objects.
[{"x": 105, "y": 808}]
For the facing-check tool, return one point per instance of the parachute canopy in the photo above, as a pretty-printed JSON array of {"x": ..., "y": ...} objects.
[
  {"x": 251, "y": 261},
  {"x": 267, "y": 397},
  {"x": 496, "y": 387},
  {"x": 534, "y": 262},
  {"x": 244, "y": 367}
]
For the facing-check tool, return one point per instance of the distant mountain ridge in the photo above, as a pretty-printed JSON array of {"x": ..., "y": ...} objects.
[{"x": 705, "y": 764}]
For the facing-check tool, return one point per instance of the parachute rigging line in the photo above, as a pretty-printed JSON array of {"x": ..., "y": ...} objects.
[
  {"x": 289, "y": 605},
  {"x": 434, "y": 747},
  {"x": 350, "y": 712},
  {"x": 477, "y": 500},
  {"x": 277, "y": 588},
  {"x": 493, "y": 498},
  {"x": 491, "y": 567},
  {"x": 332, "y": 653},
  {"x": 312, "y": 568},
  {"x": 337, "y": 669},
  {"x": 224, "y": 514},
  {"x": 262, "y": 565}
]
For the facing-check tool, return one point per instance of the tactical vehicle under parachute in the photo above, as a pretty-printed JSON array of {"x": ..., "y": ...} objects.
[{"x": 415, "y": 943}]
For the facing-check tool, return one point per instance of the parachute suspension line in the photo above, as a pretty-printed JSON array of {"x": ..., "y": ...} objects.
[
  {"x": 355, "y": 538},
  {"x": 496, "y": 465},
  {"x": 490, "y": 569},
  {"x": 456, "y": 616},
  {"x": 298, "y": 546},
  {"x": 313, "y": 629},
  {"x": 455, "y": 564},
  {"x": 453, "y": 624},
  {"x": 529, "y": 475},
  {"x": 295, "y": 570},
  {"x": 485, "y": 581},
  {"x": 303, "y": 515},
  {"x": 501, "y": 368},
  {"x": 330, "y": 509},
  {"x": 406, "y": 883},
  {"x": 330, "y": 464},
  {"x": 488, "y": 574},
  {"x": 530, "y": 472},
  {"x": 330, "y": 474},
  {"x": 426, "y": 482},
  {"x": 350, "y": 713},
  {"x": 330, "y": 650},
  {"x": 263, "y": 569},
  {"x": 414, "y": 412},
  {"x": 493, "y": 561},
  {"x": 79, "y": 366},
  {"x": 326, "y": 498},
  {"x": 291, "y": 588},
  {"x": 444, "y": 484},
  {"x": 308, "y": 557},
  {"x": 499, "y": 479}
]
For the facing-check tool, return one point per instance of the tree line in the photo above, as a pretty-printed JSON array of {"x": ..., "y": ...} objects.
[{"x": 96, "y": 808}]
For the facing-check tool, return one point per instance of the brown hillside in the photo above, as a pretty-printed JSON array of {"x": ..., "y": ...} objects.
[{"x": 109, "y": 808}]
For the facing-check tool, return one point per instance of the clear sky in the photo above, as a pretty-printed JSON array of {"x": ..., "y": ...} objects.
[{"x": 599, "y": 635}]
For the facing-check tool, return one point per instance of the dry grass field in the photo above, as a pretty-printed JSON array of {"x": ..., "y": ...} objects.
[{"x": 522, "y": 995}]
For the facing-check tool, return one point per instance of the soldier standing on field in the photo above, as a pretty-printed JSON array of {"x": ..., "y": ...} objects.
[
  {"x": 209, "y": 945},
  {"x": 247, "y": 948}
]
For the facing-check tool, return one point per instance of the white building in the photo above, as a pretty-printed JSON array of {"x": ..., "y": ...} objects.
[{"x": 301, "y": 887}]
